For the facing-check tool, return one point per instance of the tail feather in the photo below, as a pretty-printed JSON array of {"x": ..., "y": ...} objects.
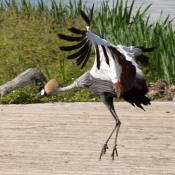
[
  {"x": 147, "y": 49},
  {"x": 135, "y": 97},
  {"x": 143, "y": 59}
]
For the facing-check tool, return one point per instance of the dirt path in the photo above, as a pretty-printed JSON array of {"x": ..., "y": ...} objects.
[{"x": 66, "y": 138}]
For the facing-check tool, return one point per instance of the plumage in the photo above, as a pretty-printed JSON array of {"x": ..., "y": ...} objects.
[
  {"x": 99, "y": 87},
  {"x": 83, "y": 56},
  {"x": 73, "y": 47},
  {"x": 104, "y": 89},
  {"x": 97, "y": 56},
  {"x": 77, "y": 31},
  {"x": 85, "y": 17},
  {"x": 114, "y": 63},
  {"x": 114, "y": 74},
  {"x": 146, "y": 49},
  {"x": 86, "y": 58},
  {"x": 80, "y": 52},
  {"x": 105, "y": 54},
  {"x": 71, "y": 38},
  {"x": 50, "y": 86}
]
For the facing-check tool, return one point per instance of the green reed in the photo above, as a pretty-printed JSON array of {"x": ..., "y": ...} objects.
[
  {"x": 120, "y": 26},
  {"x": 35, "y": 29}
]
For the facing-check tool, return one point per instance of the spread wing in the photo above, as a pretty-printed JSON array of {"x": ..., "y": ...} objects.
[
  {"x": 84, "y": 43},
  {"x": 136, "y": 53},
  {"x": 114, "y": 63}
]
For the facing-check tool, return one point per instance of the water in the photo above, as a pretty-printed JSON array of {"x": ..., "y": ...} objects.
[{"x": 168, "y": 6}]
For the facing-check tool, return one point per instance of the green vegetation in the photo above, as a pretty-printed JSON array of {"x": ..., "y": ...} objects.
[{"x": 28, "y": 36}]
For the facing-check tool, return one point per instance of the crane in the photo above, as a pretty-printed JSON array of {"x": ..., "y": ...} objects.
[{"x": 114, "y": 74}]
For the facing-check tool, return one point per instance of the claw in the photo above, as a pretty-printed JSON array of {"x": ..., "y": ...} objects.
[
  {"x": 114, "y": 151},
  {"x": 103, "y": 151}
]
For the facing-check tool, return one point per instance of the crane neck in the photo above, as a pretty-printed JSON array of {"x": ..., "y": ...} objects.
[{"x": 66, "y": 88}]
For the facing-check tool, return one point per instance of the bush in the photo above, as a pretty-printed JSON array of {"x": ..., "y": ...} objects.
[{"x": 29, "y": 39}]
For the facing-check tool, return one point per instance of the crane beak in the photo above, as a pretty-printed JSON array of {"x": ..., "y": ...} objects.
[{"x": 39, "y": 95}]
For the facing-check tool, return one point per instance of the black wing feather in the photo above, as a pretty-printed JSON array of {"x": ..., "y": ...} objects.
[
  {"x": 105, "y": 53},
  {"x": 87, "y": 58},
  {"x": 73, "y": 47},
  {"x": 77, "y": 31},
  {"x": 80, "y": 52},
  {"x": 85, "y": 45},
  {"x": 98, "y": 56},
  {"x": 91, "y": 14},
  {"x": 82, "y": 57},
  {"x": 146, "y": 49},
  {"x": 71, "y": 38},
  {"x": 85, "y": 17},
  {"x": 142, "y": 59}
]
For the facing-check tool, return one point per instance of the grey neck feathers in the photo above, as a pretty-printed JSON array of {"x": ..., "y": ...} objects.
[
  {"x": 67, "y": 88},
  {"x": 82, "y": 82}
]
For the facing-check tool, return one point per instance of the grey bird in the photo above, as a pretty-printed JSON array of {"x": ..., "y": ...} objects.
[{"x": 115, "y": 73}]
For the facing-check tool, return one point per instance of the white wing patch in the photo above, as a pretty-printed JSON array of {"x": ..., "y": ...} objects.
[
  {"x": 129, "y": 53},
  {"x": 96, "y": 40},
  {"x": 109, "y": 72}
]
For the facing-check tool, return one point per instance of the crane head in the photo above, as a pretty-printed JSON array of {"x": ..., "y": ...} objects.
[{"x": 48, "y": 89}]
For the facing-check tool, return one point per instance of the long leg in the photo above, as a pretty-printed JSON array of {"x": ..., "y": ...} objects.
[
  {"x": 115, "y": 143},
  {"x": 118, "y": 123},
  {"x": 109, "y": 103},
  {"x": 105, "y": 146}
]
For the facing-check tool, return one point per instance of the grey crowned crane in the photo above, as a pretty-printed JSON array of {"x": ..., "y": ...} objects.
[{"x": 115, "y": 73}]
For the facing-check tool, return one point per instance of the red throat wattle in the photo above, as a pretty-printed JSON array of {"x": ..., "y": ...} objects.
[{"x": 48, "y": 96}]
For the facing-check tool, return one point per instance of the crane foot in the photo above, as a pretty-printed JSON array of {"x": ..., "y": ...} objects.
[
  {"x": 103, "y": 151},
  {"x": 114, "y": 151}
]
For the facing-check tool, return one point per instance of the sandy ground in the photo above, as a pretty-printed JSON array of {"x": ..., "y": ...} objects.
[{"x": 66, "y": 138}]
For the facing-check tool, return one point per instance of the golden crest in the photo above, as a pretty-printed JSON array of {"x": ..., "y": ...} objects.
[{"x": 51, "y": 85}]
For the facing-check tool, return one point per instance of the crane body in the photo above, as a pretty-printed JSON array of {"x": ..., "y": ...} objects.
[{"x": 114, "y": 74}]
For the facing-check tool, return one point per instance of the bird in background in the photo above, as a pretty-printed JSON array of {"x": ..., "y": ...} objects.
[{"x": 114, "y": 74}]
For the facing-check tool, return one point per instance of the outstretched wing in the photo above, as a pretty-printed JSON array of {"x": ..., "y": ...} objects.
[
  {"x": 112, "y": 62},
  {"x": 109, "y": 63},
  {"x": 84, "y": 45},
  {"x": 136, "y": 53}
]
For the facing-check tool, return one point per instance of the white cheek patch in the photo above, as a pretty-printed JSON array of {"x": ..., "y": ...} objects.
[{"x": 42, "y": 92}]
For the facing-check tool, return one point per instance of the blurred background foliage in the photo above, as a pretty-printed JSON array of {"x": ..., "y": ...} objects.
[{"x": 28, "y": 36}]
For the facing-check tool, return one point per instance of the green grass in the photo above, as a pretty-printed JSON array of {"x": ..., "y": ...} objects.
[{"x": 28, "y": 37}]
